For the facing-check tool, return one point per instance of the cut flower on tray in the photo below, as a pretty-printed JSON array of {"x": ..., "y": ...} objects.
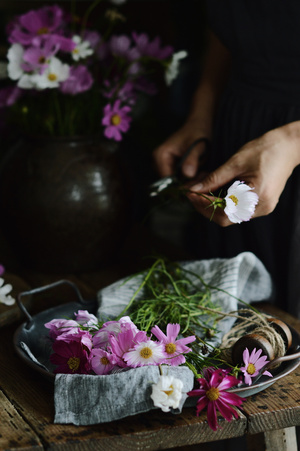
[{"x": 170, "y": 321}]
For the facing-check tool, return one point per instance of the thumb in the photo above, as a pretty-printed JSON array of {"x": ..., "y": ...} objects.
[{"x": 216, "y": 179}]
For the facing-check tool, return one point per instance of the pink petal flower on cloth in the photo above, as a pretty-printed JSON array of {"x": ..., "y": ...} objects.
[
  {"x": 70, "y": 357},
  {"x": 173, "y": 348},
  {"x": 102, "y": 362},
  {"x": 252, "y": 364},
  {"x": 212, "y": 394},
  {"x": 61, "y": 326},
  {"x": 116, "y": 120}
]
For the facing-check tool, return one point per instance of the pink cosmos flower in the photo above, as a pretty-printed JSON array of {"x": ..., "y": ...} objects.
[
  {"x": 85, "y": 318},
  {"x": 149, "y": 48},
  {"x": 9, "y": 95},
  {"x": 121, "y": 46},
  {"x": 60, "y": 326},
  {"x": 123, "y": 343},
  {"x": 173, "y": 348},
  {"x": 213, "y": 395},
  {"x": 36, "y": 56},
  {"x": 82, "y": 336},
  {"x": 70, "y": 357},
  {"x": 79, "y": 80},
  {"x": 252, "y": 364},
  {"x": 116, "y": 120},
  {"x": 43, "y": 21},
  {"x": 102, "y": 362}
]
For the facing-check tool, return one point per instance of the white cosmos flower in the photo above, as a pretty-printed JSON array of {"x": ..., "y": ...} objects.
[
  {"x": 173, "y": 68},
  {"x": 240, "y": 202},
  {"x": 82, "y": 49},
  {"x": 15, "y": 59},
  {"x": 5, "y": 298},
  {"x": 167, "y": 393},
  {"x": 53, "y": 75},
  {"x": 145, "y": 353}
]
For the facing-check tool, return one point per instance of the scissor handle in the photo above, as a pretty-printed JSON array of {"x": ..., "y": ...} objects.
[
  {"x": 40, "y": 290},
  {"x": 190, "y": 148}
]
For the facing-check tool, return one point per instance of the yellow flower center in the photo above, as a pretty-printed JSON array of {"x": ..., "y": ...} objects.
[
  {"x": 73, "y": 363},
  {"x": 251, "y": 368},
  {"x": 75, "y": 50},
  {"x": 115, "y": 119},
  {"x": 212, "y": 394},
  {"x": 43, "y": 30},
  {"x": 169, "y": 392},
  {"x": 234, "y": 199},
  {"x": 52, "y": 77},
  {"x": 146, "y": 353},
  {"x": 104, "y": 360},
  {"x": 170, "y": 348}
]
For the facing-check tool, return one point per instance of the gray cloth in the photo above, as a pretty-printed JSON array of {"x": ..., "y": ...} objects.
[
  {"x": 242, "y": 277},
  {"x": 88, "y": 399}
]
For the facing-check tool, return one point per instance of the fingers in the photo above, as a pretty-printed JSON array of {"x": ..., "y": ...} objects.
[{"x": 216, "y": 179}]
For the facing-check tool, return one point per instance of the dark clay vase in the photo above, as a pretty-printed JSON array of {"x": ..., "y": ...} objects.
[{"x": 64, "y": 203}]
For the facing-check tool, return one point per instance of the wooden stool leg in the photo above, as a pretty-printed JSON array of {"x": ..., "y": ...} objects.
[
  {"x": 281, "y": 440},
  {"x": 278, "y": 440}
]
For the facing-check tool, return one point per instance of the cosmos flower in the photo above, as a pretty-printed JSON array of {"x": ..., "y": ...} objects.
[
  {"x": 116, "y": 120},
  {"x": 33, "y": 24},
  {"x": 145, "y": 353},
  {"x": 70, "y": 357},
  {"x": 5, "y": 289},
  {"x": 213, "y": 395},
  {"x": 82, "y": 48},
  {"x": 240, "y": 202},
  {"x": 167, "y": 392},
  {"x": 253, "y": 364},
  {"x": 55, "y": 73},
  {"x": 173, "y": 348},
  {"x": 173, "y": 68},
  {"x": 102, "y": 362}
]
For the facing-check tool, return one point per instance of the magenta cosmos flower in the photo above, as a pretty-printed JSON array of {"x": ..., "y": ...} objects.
[
  {"x": 45, "y": 20},
  {"x": 213, "y": 395},
  {"x": 116, "y": 120},
  {"x": 173, "y": 348},
  {"x": 252, "y": 364},
  {"x": 70, "y": 357}
]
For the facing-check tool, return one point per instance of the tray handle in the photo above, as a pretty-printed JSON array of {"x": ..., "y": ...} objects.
[{"x": 40, "y": 290}]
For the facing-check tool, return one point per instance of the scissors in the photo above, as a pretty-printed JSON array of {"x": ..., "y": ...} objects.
[{"x": 177, "y": 178}]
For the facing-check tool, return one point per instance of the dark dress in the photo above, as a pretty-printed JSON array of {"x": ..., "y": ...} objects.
[{"x": 263, "y": 37}]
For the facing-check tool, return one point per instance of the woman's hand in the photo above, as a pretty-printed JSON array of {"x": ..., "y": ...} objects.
[
  {"x": 265, "y": 164},
  {"x": 167, "y": 155}
]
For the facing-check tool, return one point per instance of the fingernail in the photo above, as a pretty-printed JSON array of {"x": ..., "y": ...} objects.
[
  {"x": 189, "y": 171},
  {"x": 197, "y": 187}
]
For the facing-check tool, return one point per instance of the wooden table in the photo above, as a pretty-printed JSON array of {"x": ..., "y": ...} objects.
[{"x": 267, "y": 419}]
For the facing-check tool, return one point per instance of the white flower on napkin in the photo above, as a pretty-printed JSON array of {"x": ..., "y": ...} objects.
[
  {"x": 5, "y": 298},
  {"x": 167, "y": 393}
]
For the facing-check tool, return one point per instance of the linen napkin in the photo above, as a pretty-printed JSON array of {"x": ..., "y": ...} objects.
[{"x": 88, "y": 399}]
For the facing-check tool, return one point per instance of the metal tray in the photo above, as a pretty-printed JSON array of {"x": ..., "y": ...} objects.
[{"x": 33, "y": 345}]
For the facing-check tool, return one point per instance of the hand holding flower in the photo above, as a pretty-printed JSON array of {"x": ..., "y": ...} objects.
[{"x": 265, "y": 163}]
